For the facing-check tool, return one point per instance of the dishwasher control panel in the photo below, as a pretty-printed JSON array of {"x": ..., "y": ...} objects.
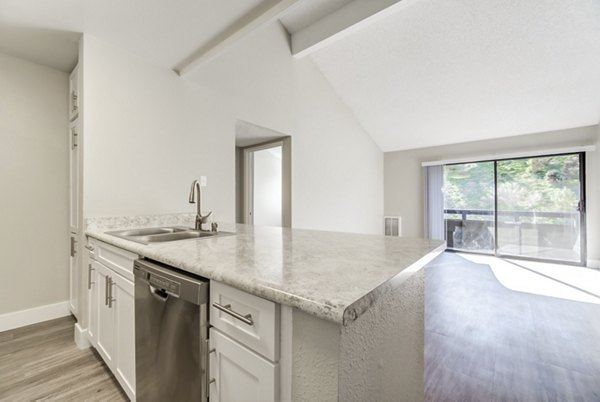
[{"x": 163, "y": 283}]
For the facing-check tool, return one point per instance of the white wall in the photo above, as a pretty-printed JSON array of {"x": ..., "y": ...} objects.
[
  {"x": 34, "y": 159},
  {"x": 148, "y": 133},
  {"x": 337, "y": 170},
  {"x": 403, "y": 174}
]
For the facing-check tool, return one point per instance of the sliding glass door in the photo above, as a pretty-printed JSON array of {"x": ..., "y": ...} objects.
[
  {"x": 469, "y": 206},
  {"x": 540, "y": 207},
  {"x": 526, "y": 207}
]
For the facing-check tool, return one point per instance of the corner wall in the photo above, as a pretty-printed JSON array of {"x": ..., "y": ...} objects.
[
  {"x": 34, "y": 158},
  {"x": 403, "y": 182}
]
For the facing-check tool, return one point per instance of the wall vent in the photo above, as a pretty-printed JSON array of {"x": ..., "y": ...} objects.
[{"x": 392, "y": 225}]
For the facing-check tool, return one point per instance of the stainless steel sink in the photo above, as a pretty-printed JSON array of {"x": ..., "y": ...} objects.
[
  {"x": 148, "y": 231},
  {"x": 164, "y": 234}
]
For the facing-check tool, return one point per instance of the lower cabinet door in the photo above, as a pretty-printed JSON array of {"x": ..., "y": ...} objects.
[
  {"x": 124, "y": 305},
  {"x": 92, "y": 291},
  {"x": 74, "y": 277},
  {"x": 238, "y": 374},
  {"x": 105, "y": 331}
]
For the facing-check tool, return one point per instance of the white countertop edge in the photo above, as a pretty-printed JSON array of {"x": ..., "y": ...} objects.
[
  {"x": 340, "y": 314},
  {"x": 324, "y": 311}
]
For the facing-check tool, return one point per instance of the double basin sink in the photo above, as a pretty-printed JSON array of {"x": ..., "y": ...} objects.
[{"x": 164, "y": 234}]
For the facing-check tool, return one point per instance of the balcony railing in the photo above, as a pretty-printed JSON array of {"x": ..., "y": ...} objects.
[{"x": 553, "y": 235}]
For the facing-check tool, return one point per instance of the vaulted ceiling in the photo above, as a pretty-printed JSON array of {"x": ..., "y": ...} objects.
[
  {"x": 437, "y": 72},
  {"x": 415, "y": 73},
  {"x": 162, "y": 32}
]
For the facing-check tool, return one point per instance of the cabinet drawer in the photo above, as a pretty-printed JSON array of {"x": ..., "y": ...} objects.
[
  {"x": 240, "y": 374},
  {"x": 262, "y": 335},
  {"x": 117, "y": 259}
]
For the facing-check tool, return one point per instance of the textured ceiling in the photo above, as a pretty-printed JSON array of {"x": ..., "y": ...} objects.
[
  {"x": 438, "y": 72},
  {"x": 432, "y": 72},
  {"x": 163, "y": 32}
]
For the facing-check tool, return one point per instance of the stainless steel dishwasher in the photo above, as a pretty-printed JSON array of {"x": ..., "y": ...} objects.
[{"x": 171, "y": 332}]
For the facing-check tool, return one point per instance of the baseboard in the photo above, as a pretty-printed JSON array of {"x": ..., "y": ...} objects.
[
  {"x": 34, "y": 315},
  {"x": 81, "y": 337},
  {"x": 593, "y": 264}
]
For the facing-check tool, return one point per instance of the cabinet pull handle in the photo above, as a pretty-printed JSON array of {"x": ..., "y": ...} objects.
[
  {"x": 73, "y": 241},
  {"x": 246, "y": 319},
  {"x": 89, "y": 247},
  {"x": 90, "y": 269},
  {"x": 110, "y": 294},
  {"x": 74, "y": 101},
  {"x": 106, "y": 290},
  {"x": 74, "y": 139}
]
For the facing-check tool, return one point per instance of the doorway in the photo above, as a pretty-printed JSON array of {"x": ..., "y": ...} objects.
[
  {"x": 530, "y": 208},
  {"x": 263, "y": 183},
  {"x": 263, "y": 176}
]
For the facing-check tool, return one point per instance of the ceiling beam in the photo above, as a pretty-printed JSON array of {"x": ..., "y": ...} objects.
[
  {"x": 261, "y": 15},
  {"x": 342, "y": 22}
]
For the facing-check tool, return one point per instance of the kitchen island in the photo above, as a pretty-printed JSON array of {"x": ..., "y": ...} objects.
[{"x": 352, "y": 305}]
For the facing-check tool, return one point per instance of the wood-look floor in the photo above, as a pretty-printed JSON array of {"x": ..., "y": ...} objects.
[
  {"x": 41, "y": 362},
  {"x": 484, "y": 342}
]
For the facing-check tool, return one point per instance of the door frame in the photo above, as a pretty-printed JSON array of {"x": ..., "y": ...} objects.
[{"x": 286, "y": 179}]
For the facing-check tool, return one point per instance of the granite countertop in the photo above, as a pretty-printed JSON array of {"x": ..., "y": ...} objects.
[{"x": 334, "y": 276}]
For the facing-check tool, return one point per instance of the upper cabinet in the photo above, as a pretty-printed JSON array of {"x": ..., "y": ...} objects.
[{"x": 74, "y": 94}]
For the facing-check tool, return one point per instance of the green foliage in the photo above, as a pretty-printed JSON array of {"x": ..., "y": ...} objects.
[
  {"x": 469, "y": 186},
  {"x": 545, "y": 184}
]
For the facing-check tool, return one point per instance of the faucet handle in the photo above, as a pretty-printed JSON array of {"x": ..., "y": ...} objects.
[{"x": 204, "y": 218}]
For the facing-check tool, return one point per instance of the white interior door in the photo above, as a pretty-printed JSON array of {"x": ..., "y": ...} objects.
[{"x": 264, "y": 182}]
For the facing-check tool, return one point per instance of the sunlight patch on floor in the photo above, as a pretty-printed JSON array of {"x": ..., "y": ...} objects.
[{"x": 545, "y": 279}]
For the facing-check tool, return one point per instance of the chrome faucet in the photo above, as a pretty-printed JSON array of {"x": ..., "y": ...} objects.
[{"x": 196, "y": 192}]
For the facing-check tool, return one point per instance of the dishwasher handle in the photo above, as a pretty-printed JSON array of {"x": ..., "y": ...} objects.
[{"x": 158, "y": 294}]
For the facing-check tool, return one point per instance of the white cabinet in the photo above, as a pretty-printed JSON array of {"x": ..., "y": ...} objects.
[
  {"x": 244, "y": 339},
  {"x": 74, "y": 199},
  {"x": 262, "y": 335},
  {"x": 240, "y": 374},
  {"x": 105, "y": 331},
  {"x": 74, "y": 98},
  {"x": 92, "y": 292},
  {"x": 111, "y": 312},
  {"x": 124, "y": 326},
  {"x": 73, "y": 276}
]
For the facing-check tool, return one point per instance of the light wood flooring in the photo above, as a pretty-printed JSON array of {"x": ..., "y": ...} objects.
[
  {"x": 484, "y": 342},
  {"x": 41, "y": 362}
]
